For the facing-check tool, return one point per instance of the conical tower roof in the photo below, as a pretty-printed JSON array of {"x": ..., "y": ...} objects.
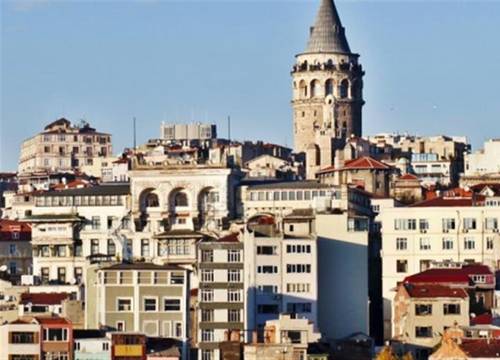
[{"x": 327, "y": 34}]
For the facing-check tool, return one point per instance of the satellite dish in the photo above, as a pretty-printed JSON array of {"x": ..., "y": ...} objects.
[
  {"x": 73, "y": 281},
  {"x": 3, "y": 268}
]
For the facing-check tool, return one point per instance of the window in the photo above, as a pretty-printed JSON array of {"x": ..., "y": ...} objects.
[
  {"x": 124, "y": 304},
  {"x": 424, "y": 265},
  {"x": 94, "y": 246},
  {"x": 298, "y": 287},
  {"x": 423, "y": 224},
  {"x": 267, "y": 250},
  {"x": 45, "y": 274},
  {"x": 233, "y": 295},
  {"x": 180, "y": 199},
  {"x": 401, "y": 266},
  {"x": 425, "y": 243},
  {"x": 22, "y": 337},
  {"x": 207, "y": 335},
  {"x": 451, "y": 309},
  {"x": 302, "y": 307},
  {"x": 207, "y": 255},
  {"x": 12, "y": 249},
  {"x": 298, "y": 268},
  {"x": 171, "y": 304},
  {"x": 469, "y": 223},
  {"x": 423, "y": 331},
  {"x": 489, "y": 243},
  {"x": 207, "y": 315},
  {"x": 61, "y": 275},
  {"x": 61, "y": 250},
  {"x": 469, "y": 243},
  {"x": 233, "y": 315},
  {"x": 401, "y": 243},
  {"x": 207, "y": 355},
  {"x": 267, "y": 309},
  {"x": 448, "y": 224},
  {"x": 447, "y": 243},
  {"x": 95, "y": 223},
  {"x": 291, "y": 249},
  {"x": 150, "y": 304},
  {"x": 120, "y": 325},
  {"x": 207, "y": 275},
  {"x": 405, "y": 224},
  {"x": 268, "y": 289},
  {"x": 145, "y": 248},
  {"x": 233, "y": 275},
  {"x": 176, "y": 278},
  {"x": 111, "y": 247},
  {"x": 207, "y": 295},
  {"x": 423, "y": 309},
  {"x": 55, "y": 334},
  {"x": 491, "y": 223},
  {"x": 234, "y": 256},
  {"x": 267, "y": 269}
]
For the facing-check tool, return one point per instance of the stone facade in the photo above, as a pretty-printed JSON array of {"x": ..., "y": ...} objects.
[{"x": 327, "y": 92}]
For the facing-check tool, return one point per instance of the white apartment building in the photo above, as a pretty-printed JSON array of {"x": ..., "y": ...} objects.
[
  {"x": 485, "y": 161},
  {"x": 281, "y": 270},
  {"x": 436, "y": 230},
  {"x": 69, "y": 227},
  {"x": 221, "y": 296},
  {"x": 63, "y": 147}
]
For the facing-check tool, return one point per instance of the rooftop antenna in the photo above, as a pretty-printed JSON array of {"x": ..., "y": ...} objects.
[
  {"x": 229, "y": 129},
  {"x": 135, "y": 135}
]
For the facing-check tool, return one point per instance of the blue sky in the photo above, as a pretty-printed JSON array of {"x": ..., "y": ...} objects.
[{"x": 431, "y": 67}]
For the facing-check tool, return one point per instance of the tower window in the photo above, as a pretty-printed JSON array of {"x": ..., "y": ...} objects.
[
  {"x": 303, "y": 113},
  {"x": 343, "y": 89},
  {"x": 329, "y": 87}
]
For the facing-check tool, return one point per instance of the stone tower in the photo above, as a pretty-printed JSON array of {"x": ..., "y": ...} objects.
[{"x": 327, "y": 92}]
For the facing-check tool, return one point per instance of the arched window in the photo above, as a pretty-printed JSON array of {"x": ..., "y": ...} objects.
[
  {"x": 152, "y": 200},
  {"x": 315, "y": 88},
  {"x": 303, "y": 89},
  {"x": 329, "y": 87},
  {"x": 180, "y": 199},
  {"x": 318, "y": 155},
  {"x": 343, "y": 89}
]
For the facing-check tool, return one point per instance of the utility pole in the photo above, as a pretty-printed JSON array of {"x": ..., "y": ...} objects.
[{"x": 135, "y": 134}]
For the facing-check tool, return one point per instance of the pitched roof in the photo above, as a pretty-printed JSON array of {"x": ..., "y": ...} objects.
[
  {"x": 233, "y": 237},
  {"x": 305, "y": 184},
  {"x": 408, "y": 177},
  {"x": 361, "y": 163},
  {"x": 8, "y": 227},
  {"x": 445, "y": 202},
  {"x": 141, "y": 266},
  {"x": 43, "y": 298},
  {"x": 103, "y": 189},
  {"x": 434, "y": 291},
  {"x": 52, "y": 320},
  {"x": 449, "y": 275},
  {"x": 327, "y": 34},
  {"x": 483, "y": 348}
]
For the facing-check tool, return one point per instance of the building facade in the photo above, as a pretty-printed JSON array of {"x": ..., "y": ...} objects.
[
  {"x": 62, "y": 146},
  {"x": 15, "y": 248},
  {"x": 220, "y": 295},
  {"x": 327, "y": 91}
]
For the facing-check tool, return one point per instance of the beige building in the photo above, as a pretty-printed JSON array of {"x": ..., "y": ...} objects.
[
  {"x": 21, "y": 339},
  {"x": 285, "y": 338},
  {"x": 62, "y": 146},
  {"x": 15, "y": 248},
  {"x": 327, "y": 91},
  {"x": 423, "y": 312},
  {"x": 442, "y": 229},
  {"x": 142, "y": 297}
]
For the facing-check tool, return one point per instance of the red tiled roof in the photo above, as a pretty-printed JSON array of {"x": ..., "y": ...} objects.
[
  {"x": 8, "y": 227},
  {"x": 450, "y": 275},
  {"x": 408, "y": 177},
  {"x": 44, "y": 298},
  {"x": 72, "y": 185},
  {"x": 233, "y": 237},
  {"x": 364, "y": 162},
  {"x": 444, "y": 202},
  {"x": 121, "y": 161},
  {"x": 483, "y": 319},
  {"x": 53, "y": 320},
  {"x": 434, "y": 291},
  {"x": 483, "y": 348}
]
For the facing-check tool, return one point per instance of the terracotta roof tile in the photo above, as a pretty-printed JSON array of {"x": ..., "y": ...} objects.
[
  {"x": 483, "y": 348},
  {"x": 435, "y": 291},
  {"x": 43, "y": 298}
]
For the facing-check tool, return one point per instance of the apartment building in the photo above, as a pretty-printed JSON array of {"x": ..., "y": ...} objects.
[
  {"x": 281, "y": 269},
  {"x": 485, "y": 161},
  {"x": 56, "y": 339},
  {"x": 15, "y": 248},
  {"x": 72, "y": 226},
  {"x": 91, "y": 345},
  {"x": 62, "y": 146},
  {"x": 287, "y": 337},
  {"x": 20, "y": 340},
  {"x": 442, "y": 229},
  {"x": 141, "y": 297},
  {"x": 423, "y": 312},
  {"x": 221, "y": 293},
  {"x": 128, "y": 346}
]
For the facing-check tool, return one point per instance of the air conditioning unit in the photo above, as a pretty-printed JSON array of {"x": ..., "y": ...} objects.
[
  {"x": 466, "y": 230},
  {"x": 423, "y": 231},
  {"x": 495, "y": 230},
  {"x": 446, "y": 231}
]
